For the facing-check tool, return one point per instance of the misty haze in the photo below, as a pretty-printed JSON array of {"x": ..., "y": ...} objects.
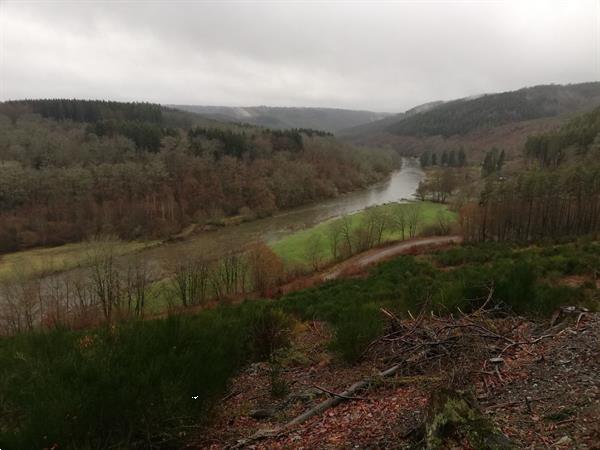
[{"x": 299, "y": 224}]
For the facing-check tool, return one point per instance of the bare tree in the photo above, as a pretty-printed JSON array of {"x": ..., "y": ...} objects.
[
  {"x": 346, "y": 234},
  {"x": 443, "y": 222},
  {"x": 266, "y": 268},
  {"x": 228, "y": 275},
  {"x": 334, "y": 235},
  {"x": 313, "y": 251},
  {"x": 137, "y": 281},
  {"x": 413, "y": 215},
  {"x": 104, "y": 273},
  {"x": 19, "y": 299},
  {"x": 401, "y": 220}
]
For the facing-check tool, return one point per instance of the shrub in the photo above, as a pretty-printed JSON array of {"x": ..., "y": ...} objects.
[
  {"x": 270, "y": 329},
  {"x": 144, "y": 382},
  {"x": 355, "y": 329}
]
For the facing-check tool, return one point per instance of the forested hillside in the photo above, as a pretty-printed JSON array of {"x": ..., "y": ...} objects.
[
  {"x": 462, "y": 116},
  {"x": 503, "y": 120},
  {"x": 557, "y": 197},
  {"x": 325, "y": 119},
  {"x": 70, "y": 169}
]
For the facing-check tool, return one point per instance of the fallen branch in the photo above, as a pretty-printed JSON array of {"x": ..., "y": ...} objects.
[
  {"x": 348, "y": 394},
  {"x": 335, "y": 394}
]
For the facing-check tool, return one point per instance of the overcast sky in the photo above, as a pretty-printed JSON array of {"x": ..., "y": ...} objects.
[{"x": 386, "y": 56}]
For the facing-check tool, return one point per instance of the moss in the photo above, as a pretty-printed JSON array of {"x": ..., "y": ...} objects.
[{"x": 454, "y": 415}]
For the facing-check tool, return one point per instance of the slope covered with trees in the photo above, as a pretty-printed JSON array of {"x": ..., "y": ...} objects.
[
  {"x": 558, "y": 196},
  {"x": 462, "y": 116},
  {"x": 70, "y": 169}
]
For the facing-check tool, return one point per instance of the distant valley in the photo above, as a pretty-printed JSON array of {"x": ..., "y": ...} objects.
[{"x": 323, "y": 119}]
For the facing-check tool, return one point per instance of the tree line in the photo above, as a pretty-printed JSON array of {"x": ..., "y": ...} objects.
[
  {"x": 90, "y": 111},
  {"x": 452, "y": 158}
]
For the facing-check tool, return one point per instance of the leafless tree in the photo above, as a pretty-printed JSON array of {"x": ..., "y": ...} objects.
[
  {"x": 138, "y": 277},
  {"x": 104, "y": 273},
  {"x": 191, "y": 280},
  {"x": 334, "y": 236},
  {"x": 313, "y": 251},
  {"x": 413, "y": 215},
  {"x": 346, "y": 234}
]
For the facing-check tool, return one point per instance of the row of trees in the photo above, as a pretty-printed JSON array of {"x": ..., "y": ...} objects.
[
  {"x": 90, "y": 111},
  {"x": 111, "y": 287},
  {"x": 452, "y": 158},
  {"x": 347, "y": 236},
  {"x": 537, "y": 204}
]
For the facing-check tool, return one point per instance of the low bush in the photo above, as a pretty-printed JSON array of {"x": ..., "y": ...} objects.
[
  {"x": 270, "y": 329},
  {"x": 356, "y": 327}
]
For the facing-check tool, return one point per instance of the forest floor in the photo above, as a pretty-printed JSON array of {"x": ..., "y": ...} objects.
[{"x": 544, "y": 391}]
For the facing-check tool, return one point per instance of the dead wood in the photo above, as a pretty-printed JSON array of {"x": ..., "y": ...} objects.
[{"x": 348, "y": 394}]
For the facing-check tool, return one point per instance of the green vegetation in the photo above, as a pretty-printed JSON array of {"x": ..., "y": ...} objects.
[
  {"x": 137, "y": 385},
  {"x": 462, "y": 116},
  {"x": 525, "y": 280},
  {"x": 315, "y": 244},
  {"x": 151, "y": 382}
]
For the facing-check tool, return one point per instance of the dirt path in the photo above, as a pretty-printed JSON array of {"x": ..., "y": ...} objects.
[
  {"x": 377, "y": 255},
  {"x": 361, "y": 261}
]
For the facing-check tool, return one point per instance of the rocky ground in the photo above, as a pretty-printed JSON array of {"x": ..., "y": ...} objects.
[{"x": 538, "y": 384}]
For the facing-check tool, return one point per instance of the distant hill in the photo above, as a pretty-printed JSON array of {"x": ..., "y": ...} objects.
[
  {"x": 503, "y": 120},
  {"x": 325, "y": 119},
  {"x": 382, "y": 124}
]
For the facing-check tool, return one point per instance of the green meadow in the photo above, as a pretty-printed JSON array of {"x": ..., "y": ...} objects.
[{"x": 298, "y": 248}]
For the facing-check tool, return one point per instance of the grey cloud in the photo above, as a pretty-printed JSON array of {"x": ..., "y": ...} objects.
[{"x": 368, "y": 55}]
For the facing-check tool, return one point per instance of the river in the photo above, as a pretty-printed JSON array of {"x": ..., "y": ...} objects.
[{"x": 400, "y": 185}]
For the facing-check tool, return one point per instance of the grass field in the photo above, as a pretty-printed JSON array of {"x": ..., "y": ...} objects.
[
  {"x": 293, "y": 249},
  {"x": 40, "y": 261}
]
